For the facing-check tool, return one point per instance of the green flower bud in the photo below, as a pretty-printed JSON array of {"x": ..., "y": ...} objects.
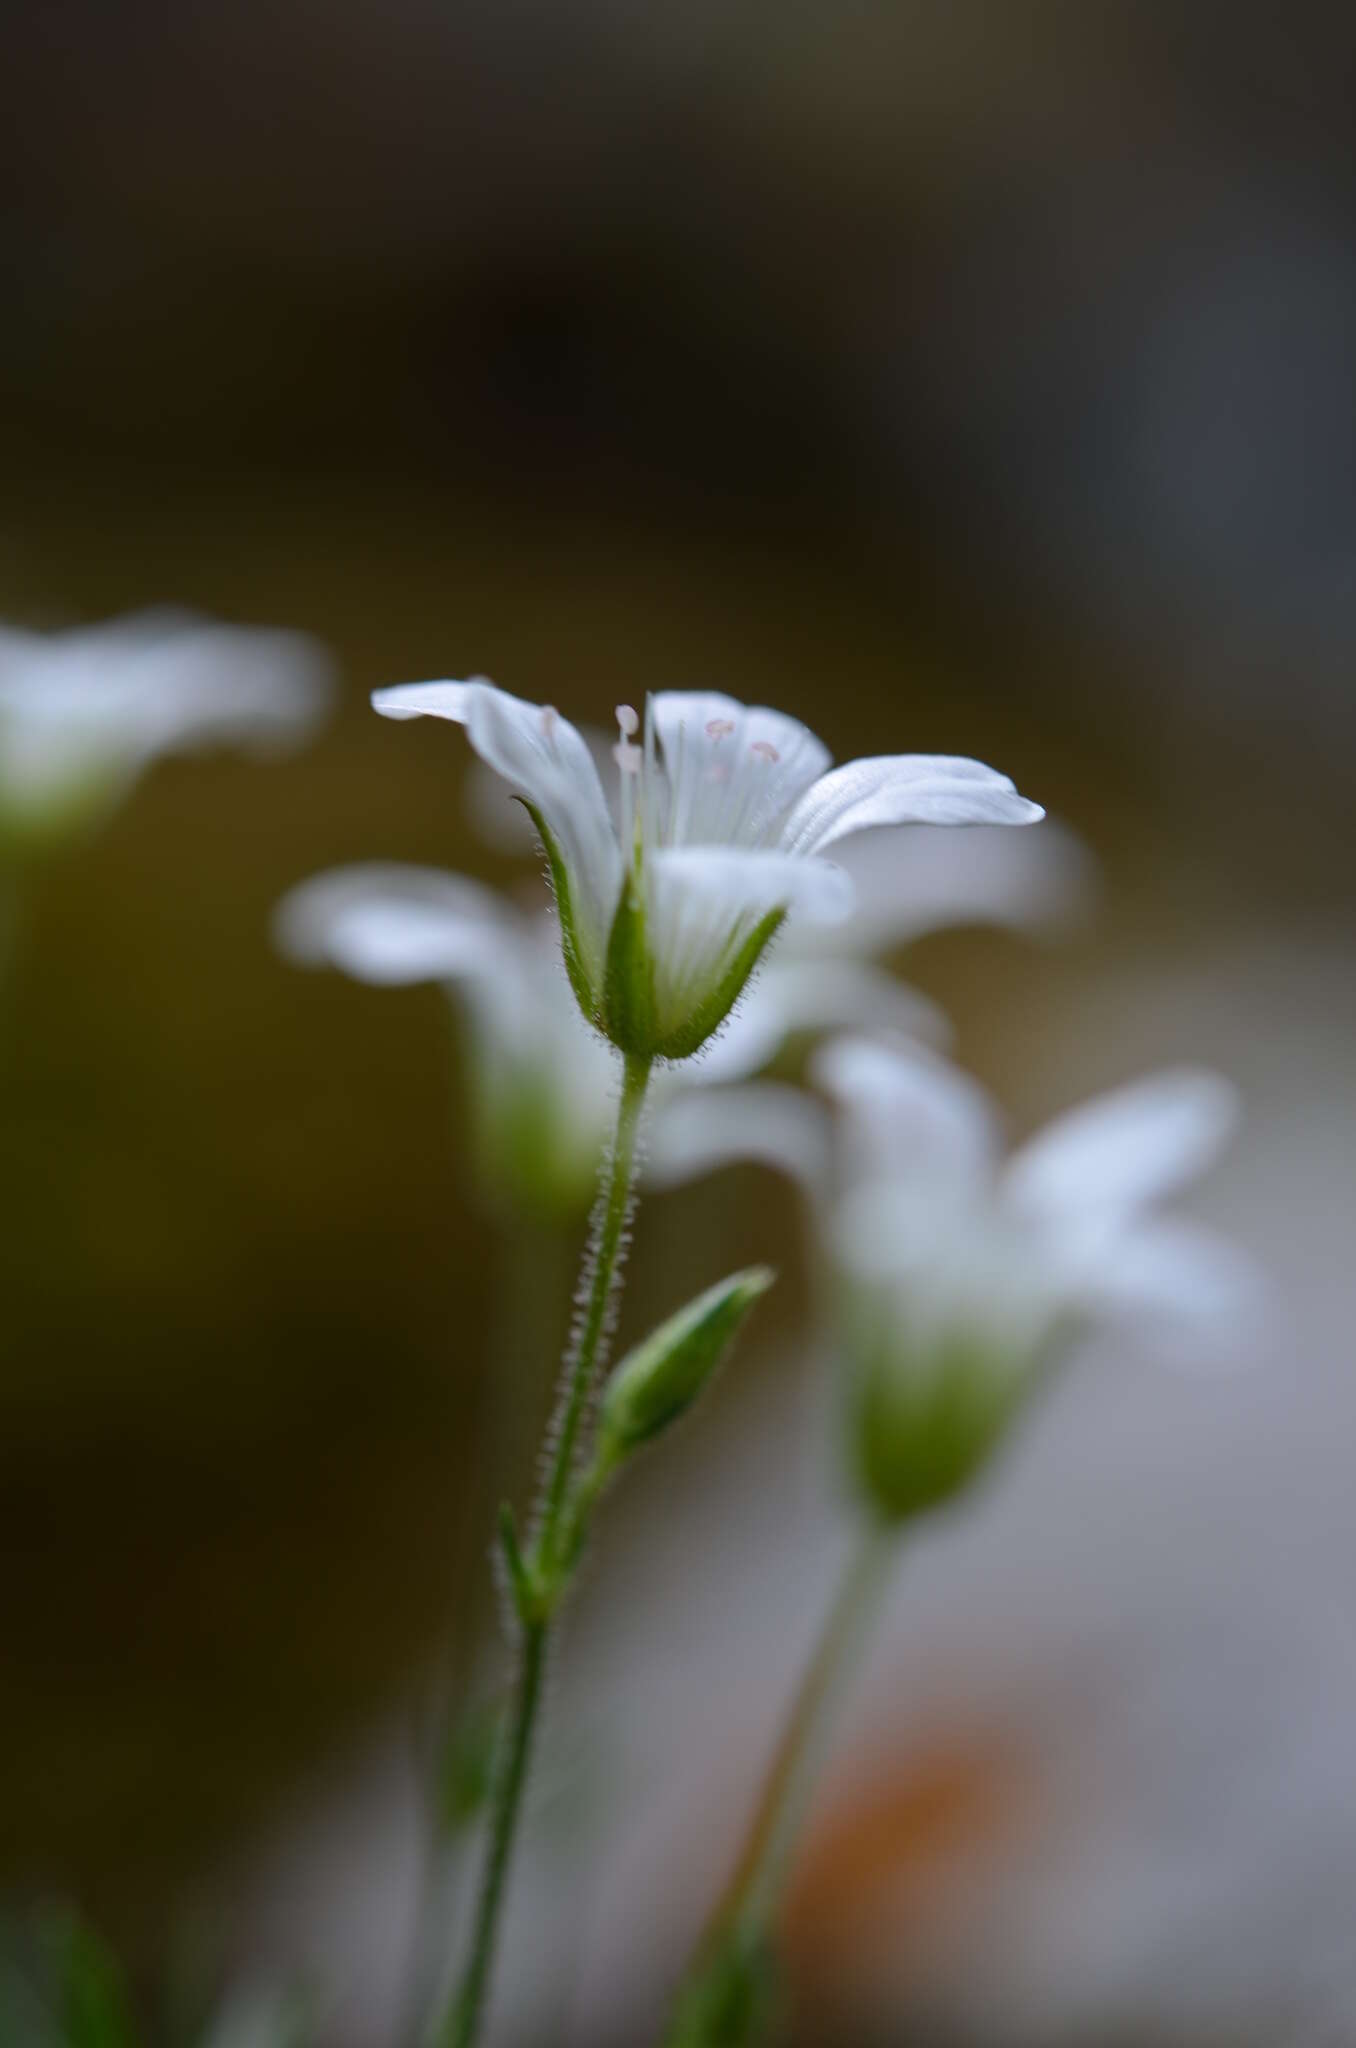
[{"x": 662, "y": 1377}]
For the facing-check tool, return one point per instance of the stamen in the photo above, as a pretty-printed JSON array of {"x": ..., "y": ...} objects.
[
  {"x": 628, "y": 758},
  {"x": 549, "y": 719},
  {"x": 765, "y": 750},
  {"x": 719, "y": 728}
]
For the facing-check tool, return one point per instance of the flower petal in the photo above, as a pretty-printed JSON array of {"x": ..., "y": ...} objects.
[
  {"x": 91, "y": 708},
  {"x": 1126, "y": 1149},
  {"x": 903, "y": 789},
  {"x": 504, "y": 825},
  {"x": 794, "y": 995},
  {"x": 767, "y": 1123},
  {"x": 541, "y": 1084},
  {"x": 542, "y": 755},
  {"x": 912, "y": 880},
  {"x": 394, "y": 925},
  {"x": 1189, "y": 1284},
  {"x": 733, "y": 770},
  {"x": 424, "y": 700},
  {"x": 705, "y": 902},
  {"x": 949, "y": 1268},
  {"x": 907, "y": 1115},
  {"x": 748, "y": 883}
]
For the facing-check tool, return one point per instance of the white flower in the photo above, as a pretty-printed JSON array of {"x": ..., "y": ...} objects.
[
  {"x": 907, "y": 880},
  {"x": 1006, "y": 1251},
  {"x": 963, "y": 1275},
  {"x": 542, "y": 1084},
  {"x": 723, "y": 816},
  {"x": 83, "y": 713}
]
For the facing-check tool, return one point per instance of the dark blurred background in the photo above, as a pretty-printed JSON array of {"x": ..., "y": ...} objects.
[{"x": 973, "y": 376}]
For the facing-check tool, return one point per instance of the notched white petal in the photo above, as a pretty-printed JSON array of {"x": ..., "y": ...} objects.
[
  {"x": 1200, "y": 1295},
  {"x": 1125, "y": 1149},
  {"x": 751, "y": 883},
  {"x": 732, "y": 771},
  {"x": 902, "y": 789},
  {"x": 393, "y": 925},
  {"x": 543, "y": 757},
  {"x": 423, "y": 700},
  {"x": 705, "y": 903},
  {"x": 86, "y": 711},
  {"x": 912, "y": 880},
  {"x": 795, "y": 996},
  {"x": 765, "y": 1123},
  {"x": 907, "y": 1114}
]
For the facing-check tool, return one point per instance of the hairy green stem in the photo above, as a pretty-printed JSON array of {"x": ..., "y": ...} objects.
[
  {"x": 547, "y": 1568},
  {"x": 614, "y": 1208},
  {"x": 528, "y": 1313},
  {"x": 720, "y": 2004}
]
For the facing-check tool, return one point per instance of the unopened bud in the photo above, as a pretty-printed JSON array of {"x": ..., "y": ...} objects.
[{"x": 663, "y": 1376}]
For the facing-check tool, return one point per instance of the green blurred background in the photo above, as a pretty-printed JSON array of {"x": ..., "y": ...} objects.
[{"x": 971, "y": 377}]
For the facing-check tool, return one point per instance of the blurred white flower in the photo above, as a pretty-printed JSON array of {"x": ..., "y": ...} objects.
[
  {"x": 1064, "y": 1226},
  {"x": 542, "y": 1084},
  {"x": 724, "y": 812},
  {"x": 83, "y": 713},
  {"x": 964, "y": 1276},
  {"x": 907, "y": 880}
]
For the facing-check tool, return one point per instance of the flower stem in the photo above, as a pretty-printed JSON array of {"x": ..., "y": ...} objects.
[
  {"x": 462, "y": 2024},
  {"x": 723, "y": 1998},
  {"x": 527, "y": 1314},
  {"x": 547, "y": 1569},
  {"x": 610, "y": 1220}
]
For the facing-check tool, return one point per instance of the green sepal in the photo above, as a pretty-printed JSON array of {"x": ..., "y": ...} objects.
[
  {"x": 924, "y": 1430},
  {"x": 661, "y": 1378},
  {"x": 712, "y": 1011},
  {"x": 524, "y": 1583},
  {"x": 628, "y": 977},
  {"x": 569, "y": 928},
  {"x": 466, "y": 1767}
]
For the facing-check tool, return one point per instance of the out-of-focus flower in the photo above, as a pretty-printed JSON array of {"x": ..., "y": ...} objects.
[
  {"x": 542, "y": 1084},
  {"x": 907, "y": 880},
  {"x": 724, "y": 814},
  {"x": 963, "y": 1277},
  {"x": 83, "y": 713}
]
